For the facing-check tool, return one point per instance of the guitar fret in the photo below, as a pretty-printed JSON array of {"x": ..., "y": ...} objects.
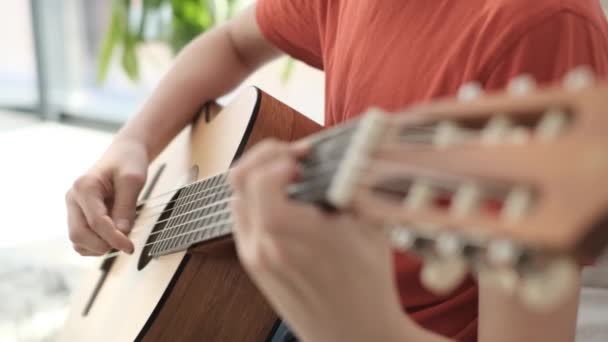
[
  {"x": 190, "y": 215},
  {"x": 176, "y": 225},
  {"x": 187, "y": 217},
  {"x": 165, "y": 233},
  {"x": 198, "y": 215}
]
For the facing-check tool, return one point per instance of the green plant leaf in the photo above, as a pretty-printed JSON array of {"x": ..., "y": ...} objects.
[
  {"x": 111, "y": 39},
  {"x": 232, "y": 5},
  {"x": 287, "y": 70},
  {"x": 129, "y": 58}
]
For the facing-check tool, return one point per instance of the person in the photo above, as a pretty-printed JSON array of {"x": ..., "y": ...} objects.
[{"x": 347, "y": 286}]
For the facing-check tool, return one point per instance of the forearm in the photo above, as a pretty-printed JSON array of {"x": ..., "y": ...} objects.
[{"x": 206, "y": 69}]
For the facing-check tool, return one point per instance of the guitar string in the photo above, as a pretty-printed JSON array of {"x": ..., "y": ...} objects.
[
  {"x": 174, "y": 190},
  {"x": 338, "y": 131},
  {"x": 195, "y": 220},
  {"x": 315, "y": 138},
  {"x": 207, "y": 227},
  {"x": 148, "y": 207},
  {"x": 214, "y": 204},
  {"x": 181, "y": 224},
  {"x": 315, "y": 163},
  {"x": 201, "y": 229},
  {"x": 194, "y": 231},
  {"x": 218, "y": 202},
  {"x": 210, "y": 227},
  {"x": 311, "y": 169},
  {"x": 323, "y": 169},
  {"x": 224, "y": 188},
  {"x": 308, "y": 169}
]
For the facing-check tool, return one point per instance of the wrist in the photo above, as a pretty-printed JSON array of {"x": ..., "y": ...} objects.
[{"x": 137, "y": 141}]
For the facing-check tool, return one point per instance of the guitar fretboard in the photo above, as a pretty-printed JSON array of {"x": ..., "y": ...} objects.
[{"x": 200, "y": 213}]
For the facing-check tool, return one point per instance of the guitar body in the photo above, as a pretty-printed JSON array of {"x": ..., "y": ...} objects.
[{"x": 201, "y": 294}]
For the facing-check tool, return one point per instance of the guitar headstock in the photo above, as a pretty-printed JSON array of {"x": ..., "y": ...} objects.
[{"x": 511, "y": 185}]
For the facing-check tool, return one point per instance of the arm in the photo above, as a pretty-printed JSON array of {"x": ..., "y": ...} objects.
[
  {"x": 207, "y": 68},
  {"x": 210, "y": 66}
]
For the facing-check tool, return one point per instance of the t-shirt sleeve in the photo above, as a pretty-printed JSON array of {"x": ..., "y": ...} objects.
[
  {"x": 295, "y": 27},
  {"x": 550, "y": 49}
]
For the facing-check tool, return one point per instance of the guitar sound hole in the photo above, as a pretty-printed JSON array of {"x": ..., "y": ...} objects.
[{"x": 156, "y": 233}]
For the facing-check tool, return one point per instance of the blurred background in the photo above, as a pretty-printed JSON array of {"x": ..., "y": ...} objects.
[{"x": 71, "y": 72}]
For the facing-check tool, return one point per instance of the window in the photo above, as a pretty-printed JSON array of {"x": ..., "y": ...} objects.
[
  {"x": 65, "y": 38},
  {"x": 17, "y": 61}
]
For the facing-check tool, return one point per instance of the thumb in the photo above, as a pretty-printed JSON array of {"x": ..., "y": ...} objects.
[{"x": 127, "y": 186}]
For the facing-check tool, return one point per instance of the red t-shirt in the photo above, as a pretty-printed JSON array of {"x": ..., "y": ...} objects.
[{"x": 392, "y": 53}]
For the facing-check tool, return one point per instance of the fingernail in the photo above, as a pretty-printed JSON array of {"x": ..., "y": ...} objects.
[{"x": 123, "y": 225}]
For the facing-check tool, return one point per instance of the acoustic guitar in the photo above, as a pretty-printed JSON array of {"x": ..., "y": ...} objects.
[{"x": 508, "y": 185}]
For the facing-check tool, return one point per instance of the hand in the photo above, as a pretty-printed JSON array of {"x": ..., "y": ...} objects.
[
  {"x": 328, "y": 275},
  {"x": 101, "y": 203}
]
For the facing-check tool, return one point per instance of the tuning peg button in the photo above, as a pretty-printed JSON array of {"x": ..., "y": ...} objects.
[
  {"x": 496, "y": 130},
  {"x": 449, "y": 246},
  {"x": 544, "y": 289},
  {"x": 521, "y": 85},
  {"x": 441, "y": 275},
  {"x": 469, "y": 91},
  {"x": 516, "y": 204},
  {"x": 448, "y": 133},
  {"x": 419, "y": 195},
  {"x": 579, "y": 78},
  {"x": 402, "y": 238},
  {"x": 466, "y": 200},
  {"x": 551, "y": 124},
  {"x": 503, "y": 253}
]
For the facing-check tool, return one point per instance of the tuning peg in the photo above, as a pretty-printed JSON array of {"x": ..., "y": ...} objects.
[
  {"x": 551, "y": 124},
  {"x": 521, "y": 85},
  {"x": 519, "y": 135},
  {"x": 516, "y": 204},
  {"x": 419, "y": 195},
  {"x": 469, "y": 91},
  {"x": 448, "y": 133},
  {"x": 402, "y": 238},
  {"x": 449, "y": 245},
  {"x": 499, "y": 271},
  {"x": 543, "y": 289},
  {"x": 579, "y": 78},
  {"x": 466, "y": 199},
  {"x": 445, "y": 267},
  {"x": 441, "y": 275},
  {"x": 496, "y": 130},
  {"x": 503, "y": 253}
]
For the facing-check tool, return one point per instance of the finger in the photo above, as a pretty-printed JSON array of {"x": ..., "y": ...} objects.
[
  {"x": 96, "y": 214},
  {"x": 265, "y": 193},
  {"x": 262, "y": 154},
  {"x": 80, "y": 232},
  {"x": 240, "y": 215},
  {"x": 127, "y": 186},
  {"x": 85, "y": 252}
]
